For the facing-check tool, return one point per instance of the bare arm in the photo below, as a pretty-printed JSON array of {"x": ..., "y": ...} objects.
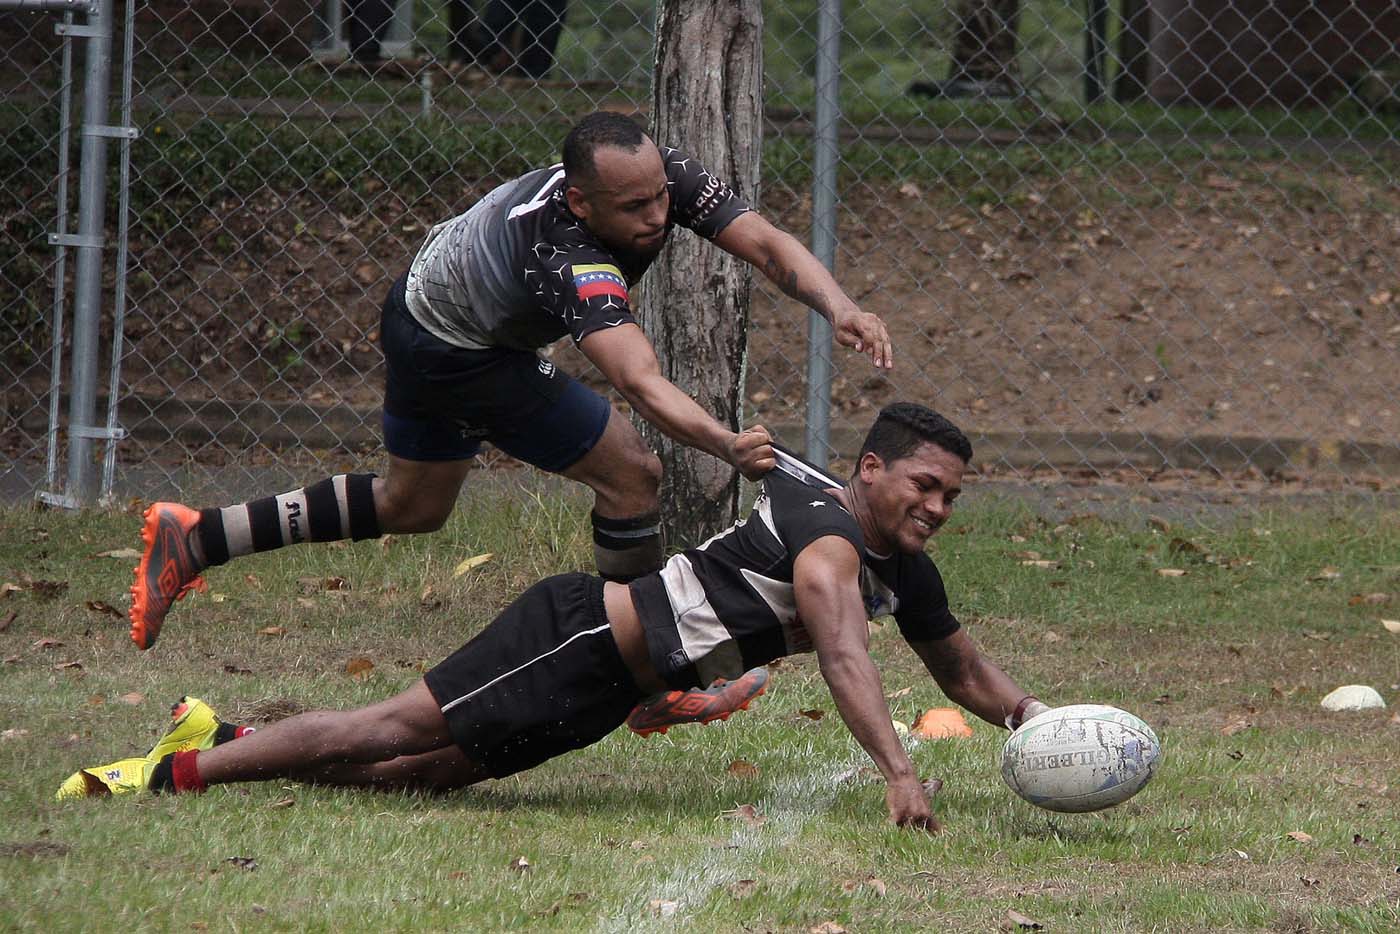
[
  {"x": 969, "y": 678},
  {"x": 826, "y": 583},
  {"x": 625, "y": 356},
  {"x": 792, "y": 268}
]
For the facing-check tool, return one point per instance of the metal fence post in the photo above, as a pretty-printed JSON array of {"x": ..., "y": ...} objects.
[
  {"x": 828, "y": 82},
  {"x": 87, "y": 301}
]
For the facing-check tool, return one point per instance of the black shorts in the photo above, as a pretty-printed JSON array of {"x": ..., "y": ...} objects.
[
  {"x": 442, "y": 401},
  {"x": 544, "y": 678}
]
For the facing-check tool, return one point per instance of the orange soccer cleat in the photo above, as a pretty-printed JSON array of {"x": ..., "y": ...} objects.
[
  {"x": 660, "y": 712},
  {"x": 168, "y": 569}
]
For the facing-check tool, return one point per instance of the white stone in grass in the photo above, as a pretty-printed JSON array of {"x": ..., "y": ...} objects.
[{"x": 1353, "y": 697}]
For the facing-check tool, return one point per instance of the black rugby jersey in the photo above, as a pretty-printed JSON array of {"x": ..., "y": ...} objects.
[
  {"x": 717, "y": 610},
  {"x": 519, "y": 270}
]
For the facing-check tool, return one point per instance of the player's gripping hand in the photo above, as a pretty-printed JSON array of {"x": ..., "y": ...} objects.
[
  {"x": 864, "y": 332},
  {"x": 752, "y": 452},
  {"x": 909, "y": 806}
]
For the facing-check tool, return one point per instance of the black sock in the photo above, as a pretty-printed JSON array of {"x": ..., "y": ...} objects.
[
  {"x": 163, "y": 776},
  {"x": 626, "y": 549},
  {"x": 336, "y": 508}
]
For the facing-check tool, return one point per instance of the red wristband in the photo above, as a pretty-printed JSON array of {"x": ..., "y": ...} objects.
[{"x": 1015, "y": 720}]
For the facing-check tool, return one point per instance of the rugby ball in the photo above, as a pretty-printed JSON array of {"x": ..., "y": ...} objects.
[{"x": 1084, "y": 757}]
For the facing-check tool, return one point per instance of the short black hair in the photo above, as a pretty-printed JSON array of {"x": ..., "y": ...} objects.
[
  {"x": 600, "y": 128},
  {"x": 901, "y": 427}
]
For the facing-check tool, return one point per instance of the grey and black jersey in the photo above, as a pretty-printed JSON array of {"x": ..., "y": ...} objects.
[
  {"x": 519, "y": 270},
  {"x": 717, "y": 610}
]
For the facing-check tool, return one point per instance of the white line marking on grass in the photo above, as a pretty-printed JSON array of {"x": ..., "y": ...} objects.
[{"x": 791, "y": 801}]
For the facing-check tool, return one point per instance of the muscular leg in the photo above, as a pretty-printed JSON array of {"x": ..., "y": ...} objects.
[
  {"x": 408, "y": 725},
  {"x": 443, "y": 770},
  {"x": 625, "y": 477}
]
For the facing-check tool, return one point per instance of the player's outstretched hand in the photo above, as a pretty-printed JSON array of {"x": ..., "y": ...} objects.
[
  {"x": 909, "y": 806},
  {"x": 864, "y": 332},
  {"x": 752, "y": 452}
]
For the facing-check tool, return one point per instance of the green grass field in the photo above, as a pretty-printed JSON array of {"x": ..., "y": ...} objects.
[{"x": 1267, "y": 814}]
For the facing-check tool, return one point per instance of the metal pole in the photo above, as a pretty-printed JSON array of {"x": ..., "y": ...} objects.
[
  {"x": 1095, "y": 45},
  {"x": 114, "y": 433},
  {"x": 87, "y": 302},
  {"x": 47, "y": 6},
  {"x": 823, "y": 225},
  {"x": 60, "y": 285}
]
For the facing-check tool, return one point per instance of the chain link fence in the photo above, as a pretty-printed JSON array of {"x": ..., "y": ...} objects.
[{"x": 1145, "y": 240}]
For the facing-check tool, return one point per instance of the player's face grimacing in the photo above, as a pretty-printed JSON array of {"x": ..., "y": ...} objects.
[
  {"x": 910, "y": 498},
  {"x": 626, "y": 203}
]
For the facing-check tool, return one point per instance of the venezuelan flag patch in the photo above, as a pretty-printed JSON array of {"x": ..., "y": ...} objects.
[{"x": 592, "y": 281}]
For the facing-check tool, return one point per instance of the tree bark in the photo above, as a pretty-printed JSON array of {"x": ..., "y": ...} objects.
[{"x": 694, "y": 302}]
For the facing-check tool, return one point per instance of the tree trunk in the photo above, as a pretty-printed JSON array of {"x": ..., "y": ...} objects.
[
  {"x": 694, "y": 302},
  {"x": 1134, "y": 61}
]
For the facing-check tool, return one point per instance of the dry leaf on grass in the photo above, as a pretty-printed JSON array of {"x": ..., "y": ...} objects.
[
  {"x": 826, "y": 927},
  {"x": 747, "y": 813},
  {"x": 283, "y": 803},
  {"x": 520, "y": 864},
  {"x": 1299, "y": 836},
  {"x": 132, "y": 698},
  {"x": 98, "y": 606},
  {"x": 1171, "y": 572},
  {"x": 1327, "y": 574},
  {"x": 278, "y": 631},
  {"x": 813, "y": 714},
  {"x": 13, "y": 734},
  {"x": 359, "y": 667},
  {"x": 8, "y": 588},
  {"x": 1235, "y": 726},
  {"x": 742, "y": 769},
  {"x": 1391, "y": 625},
  {"x": 475, "y": 561},
  {"x": 1043, "y": 565},
  {"x": 662, "y": 908},
  {"x": 743, "y": 888},
  {"x": 48, "y": 643},
  {"x": 902, "y": 692},
  {"x": 243, "y": 862},
  {"x": 1021, "y": 921},
  {"x": 9, "y": 618},
  {"x": 124, "y": 554},
  {"x": 1368, "y": 599},
  {"x": 68, "y": 666}
]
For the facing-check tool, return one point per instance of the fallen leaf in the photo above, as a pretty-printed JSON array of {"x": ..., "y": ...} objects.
[
  {"x": 741, "y": 769},
  {"x": 1358, "y": 840},
  {"x": 272, "y": 631},
  {"x": 237, "y": 670},
  {"x": 428, "y": 599},
  {"x": 1160, "y": 524},
  {"x": 359, "y": 667},
  {"x": 826, "y": 927},
  {"x": 1042, "y": 565},
  {"x": 1299, "y": 835},
  {"x": 475, "y": 561},
  {"x": 8, "y": 588},
  {"x": 747, "y": 813},
  {"x": 132, "y": 698},
  {"x": 283, "y": 803},
  {"x": 1021, "y": 921},
  {"x": 1369, "y": 599},
  {"x": 1327, "y": 574},
  {"x": 64, "y": 666},
  {"x": 520, "y": 864},
  {"x": 877, "y": 885},
  {"x": 10, "y": 618},
  {"x": 1219, "y": 183},
  {"x": 13, "y": 734},
  {"x": 902, "y": 692},
  {"x": 1171, "y": 572},
  {"x": 1052, "y": 636},
  {"x": 1308, "y": 881},
  {"x": 47, "y": 643},
  {"x": 96, "y": 700},
  {"x": 336, "y": 583},
  {"x": 1391, "y": 625},
  {"x": 813, "y": 714},
  {"x": 743, "y": 888},
  {"x": 48, "y": 589},
  {"x": 125, "y": 554},
  {"x": 662, "y": 908},
  {"x": 243, "y": 862},
  {"x": 1235, "y": 726},
  {"x": 97, "y": 606},
  {"x": 931, "y": 786}
]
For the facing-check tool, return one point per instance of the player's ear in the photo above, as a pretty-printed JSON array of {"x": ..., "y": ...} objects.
[
  {"x": 578, "y": 201},
  {"x": 870, "y": 464}
]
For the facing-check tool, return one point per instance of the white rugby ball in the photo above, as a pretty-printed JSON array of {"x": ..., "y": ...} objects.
[{"x": 1084, "y": 757}]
